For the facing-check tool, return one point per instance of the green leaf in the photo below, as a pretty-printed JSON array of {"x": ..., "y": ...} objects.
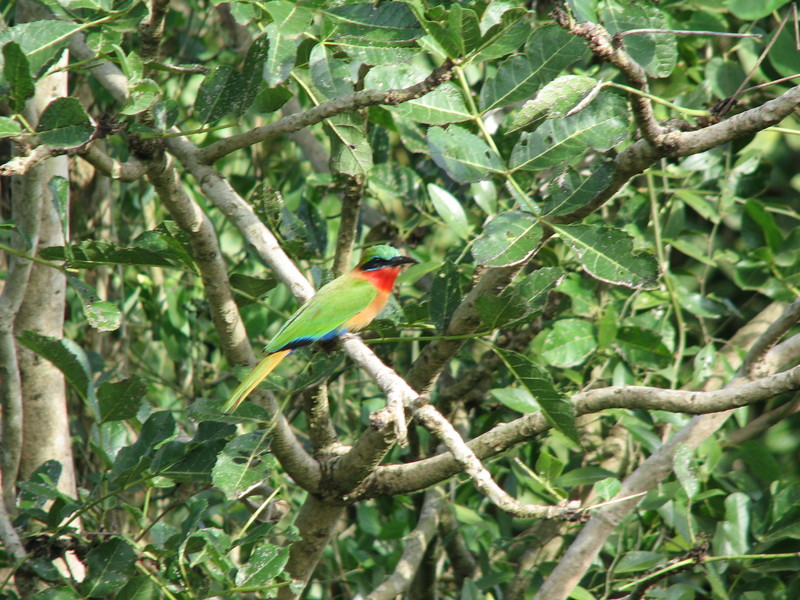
[
  {"x": 143, "y": 94},
  {"x": 783, "y": 56},
  {"x": 686, "y": 470},
  {"x": 281, "y": 55},
  {"x": 101, "y": 314},
  {"x": 549, "y": 50},
  {"x": 17, "y": 72},
  {"x": 40, "y": 41},
  {"x": 271, "y": 99},
  {"x": 657, "y": 53},
  {"x": 464, "y": 155},
  {"x": 724, "y": 76},
  {"x": 731, "y": 536},
  {"x": 64, "y": 124},
  {"x": 293, "y": 19},
  {"x": 388, "y": 25},
  {"x": 351, "y": 153},
  {"x": 553, "y": 101},
  {"x": 244, "y": 462},
  {"x": 89, "y": 254},
  {"x": 504, "y": 35},
  {"x": 638, "y": 560},
  {"x": 445, "y": 294},
  {"x": 507, "y": 239},
  {"x": 122, "y": 399},
  {"x": 109, "y": 566},
  {"x": 517, "y": 399},
  {"x": 570, "y": 343},
  {"x": 747, "y": 10},
  {"x": 642, "y": 348},
  {"x": 498, "y": 311},
  {"x": 607, "y": 488},
  {"x": 253, "y": 71},
  {"x": 219, "y": 94},
  {"x": 556, "y": 408},
  {"x": 131, "y": 461},
  {"x": 65, "y": 354},
  {"x": 139, "y": 588},
  {"x": 56, "y": 593},
  {"x": 759, "y": 227},
  {"x": 601, "y": 126},
  {"x": 607, "y": 254},
  {"x": 450, "y": 210},
  {"x": 247, "y": 289},
  {"x": 443, "y": 105},
  {"x": 59, "y": 187},
  {"x": 570, "y": 191},
  {"x": 266, "y": 562},
  {"x": 9, "y": 127},
  {"x": 519, "y": 302},
  {"x": 331, "y": 76},
  {"x": 457, "y": 31}
]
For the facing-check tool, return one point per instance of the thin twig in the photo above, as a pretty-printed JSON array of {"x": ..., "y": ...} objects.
[
  {"x": 329, "y": 108},
  {"x": 690, "y": 32}
]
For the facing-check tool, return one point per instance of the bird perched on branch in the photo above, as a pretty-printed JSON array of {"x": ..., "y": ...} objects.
[{"x": 348, "y": 303}]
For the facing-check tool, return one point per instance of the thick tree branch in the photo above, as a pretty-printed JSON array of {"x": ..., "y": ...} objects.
[
  {"x": 227, "y": 321},
  {"x": 151, "y": 30},
  {"x": 415, "y": 543},
  {"x": 396, "y": 479},
  {"x": 610, "y": 49},
  {"x": 316, "y": 523},
  {"x": 756, "y": 363},
  {"x": 329, "y": 108},
  {"x": 348, "y": 223},
  {"x": 22, "y": 164},
  {"x": 106, "y": 72},
  {"x": 27, "y": 213},
  {"x": 128, "y": 171}
]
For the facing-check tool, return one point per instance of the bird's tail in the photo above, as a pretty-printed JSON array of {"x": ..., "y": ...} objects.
[{"x": 256, "y": 376}]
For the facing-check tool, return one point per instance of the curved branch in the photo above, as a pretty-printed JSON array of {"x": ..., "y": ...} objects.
[
  {"x": 410, "y": 477},
  {"x": 434, "y": 422},
  {"x": 329, "y": 108},
  {"x": 416, "y": 542}
]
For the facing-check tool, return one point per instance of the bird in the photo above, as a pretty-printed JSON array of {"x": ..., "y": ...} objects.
[{"x": 347, "y": 304}]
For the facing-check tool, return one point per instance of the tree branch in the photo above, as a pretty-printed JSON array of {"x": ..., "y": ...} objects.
[
  {"x": 329, "y": 108},
  {"x": 610, "y": 50},
  {"x": 415, "y": 543},
  {"x": 128, "y": 171},
  {"x": 410, "y": 477},
  {"x": 590, "y": 540},
  {"x": 225, "y": 314},
  {"x": 27, "y": 213},
  {"x": 434, "y": 422}
]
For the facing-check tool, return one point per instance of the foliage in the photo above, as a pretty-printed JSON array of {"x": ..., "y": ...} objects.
[{"x": 503, "y": 166}]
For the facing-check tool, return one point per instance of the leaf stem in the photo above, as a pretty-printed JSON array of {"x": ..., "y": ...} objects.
[
  {"x": 682, "y": 109},
  {"x": 476, "y": 117}
]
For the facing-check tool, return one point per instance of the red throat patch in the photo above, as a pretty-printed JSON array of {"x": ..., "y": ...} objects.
[{"x": 382, "y": 279}]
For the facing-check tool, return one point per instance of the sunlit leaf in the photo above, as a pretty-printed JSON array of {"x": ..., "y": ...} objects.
[
  {"x": 465, "y": 156},
  {"x": 549, "y": 50},
  {"x": 507, "y": 239},
  {"x": 607, "y": 254}
]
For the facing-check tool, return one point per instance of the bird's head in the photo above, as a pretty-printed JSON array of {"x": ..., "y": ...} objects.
[{"x": 383, "y": 257}]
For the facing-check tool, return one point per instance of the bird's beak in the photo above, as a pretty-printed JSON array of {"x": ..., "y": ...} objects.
[{"x": 399, "y": 261}]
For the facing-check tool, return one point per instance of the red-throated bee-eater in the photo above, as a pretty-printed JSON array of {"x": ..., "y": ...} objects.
[{"x": 348, "y": 303}]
